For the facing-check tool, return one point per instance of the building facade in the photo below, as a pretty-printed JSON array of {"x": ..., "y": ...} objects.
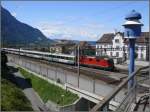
[
  {"x": 114, "y": 45},
  {"x": 63, "y": 46}
]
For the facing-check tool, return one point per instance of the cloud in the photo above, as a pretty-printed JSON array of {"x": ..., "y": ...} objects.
[
  {"x": 71, "y": 30},
  {"x": 14, "y": 14}
]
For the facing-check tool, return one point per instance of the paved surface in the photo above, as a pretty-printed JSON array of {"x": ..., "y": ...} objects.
[
  {"x": 35, "y": 100},
  {"x": 138, "y": 64}
]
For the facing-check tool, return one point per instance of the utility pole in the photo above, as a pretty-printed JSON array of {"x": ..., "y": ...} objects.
[{"x": 78, "y": 63}]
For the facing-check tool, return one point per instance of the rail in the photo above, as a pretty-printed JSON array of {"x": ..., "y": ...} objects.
[{"x": 102, "y": 105}]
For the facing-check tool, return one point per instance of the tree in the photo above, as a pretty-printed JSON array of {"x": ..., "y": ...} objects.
[{"x": 4, "y": 59}]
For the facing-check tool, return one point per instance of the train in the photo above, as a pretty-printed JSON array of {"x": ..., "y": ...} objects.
[{"x": 88, "y": 61}]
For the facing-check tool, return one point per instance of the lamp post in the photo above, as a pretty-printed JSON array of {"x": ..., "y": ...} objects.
[{"x": 132, "y": 31}]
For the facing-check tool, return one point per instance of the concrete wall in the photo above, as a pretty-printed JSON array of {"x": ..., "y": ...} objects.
[
  {"x": 79, "y": 105},
  {"x": 62, "y": 76}
]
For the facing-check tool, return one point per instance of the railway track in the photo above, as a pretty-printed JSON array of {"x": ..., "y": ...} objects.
[{"x": 107, "y": 76}]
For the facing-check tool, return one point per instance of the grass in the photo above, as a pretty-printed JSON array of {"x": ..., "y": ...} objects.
[
  {"x": 12, "y": 98},
  {"x": 48, "y": 91}
]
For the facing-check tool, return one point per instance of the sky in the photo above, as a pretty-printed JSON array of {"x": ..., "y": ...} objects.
[{"x": 82, "y": 20}]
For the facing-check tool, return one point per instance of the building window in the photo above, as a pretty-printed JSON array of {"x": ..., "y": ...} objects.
[
  {"x": 117, "y": 54},
  {"x": 136, "y": 48},
  {"x": 142, "y": 48},
  {"x": 111, "y": 48},
  {"x": 142, "y": 57},
  {"x": 117, "y": 47},
  {"x": 97, "y": 46},
  {"x": 116, "y": 40},
  {"x": 110, "y": 53}
]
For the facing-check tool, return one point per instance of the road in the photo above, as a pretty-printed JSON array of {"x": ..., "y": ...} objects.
[{"x": 29, "y": 92}]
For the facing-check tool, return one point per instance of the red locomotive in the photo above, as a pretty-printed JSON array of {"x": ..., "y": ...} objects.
[{"x": 97, "y": 62}]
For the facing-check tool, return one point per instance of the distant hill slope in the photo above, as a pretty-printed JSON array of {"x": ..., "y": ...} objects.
[
  {"x": 75, "y": 41},
  {"x": 16, "y": 33}
]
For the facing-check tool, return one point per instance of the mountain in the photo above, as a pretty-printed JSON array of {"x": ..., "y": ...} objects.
[
  {"x": 59, "y": 37},
  {"x": 92, "y": 43},
  {"x": 16, "y": 33}
]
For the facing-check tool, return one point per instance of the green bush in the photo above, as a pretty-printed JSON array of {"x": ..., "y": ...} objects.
[
  {"x": 12, "y": 98},
  {"x": 3, "y": 59}
]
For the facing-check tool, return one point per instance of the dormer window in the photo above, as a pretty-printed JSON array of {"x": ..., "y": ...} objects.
[{"x": 116, "y": 40}]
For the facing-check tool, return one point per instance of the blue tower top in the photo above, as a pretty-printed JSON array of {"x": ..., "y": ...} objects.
[
  {"x": 133, "y": 15},
  {"x": 132, "y": 25}
]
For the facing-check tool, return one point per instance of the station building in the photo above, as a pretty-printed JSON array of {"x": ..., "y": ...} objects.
[{"x": 116, "y": 46}]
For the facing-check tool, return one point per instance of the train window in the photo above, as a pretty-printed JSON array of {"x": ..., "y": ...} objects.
[
  {"x": 90, "y": 59},
  {"x": 61, "y": 57},
  {"x": 54, "y": 56},
  {"x": 70, "y": 58},
  {"x": 58, "y": 57},
  {"x": 66, "y": 58},
  {"x": 111, "y": 61},
  {"x": 50, "y": 55}
]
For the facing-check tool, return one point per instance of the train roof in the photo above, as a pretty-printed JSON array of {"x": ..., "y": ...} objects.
[
  {"x": 47, "y": 53},
  {"x": 43, "y": 53}
]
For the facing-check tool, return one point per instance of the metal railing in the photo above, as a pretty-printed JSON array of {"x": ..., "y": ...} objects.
[{"x": 127, "y": 102}]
